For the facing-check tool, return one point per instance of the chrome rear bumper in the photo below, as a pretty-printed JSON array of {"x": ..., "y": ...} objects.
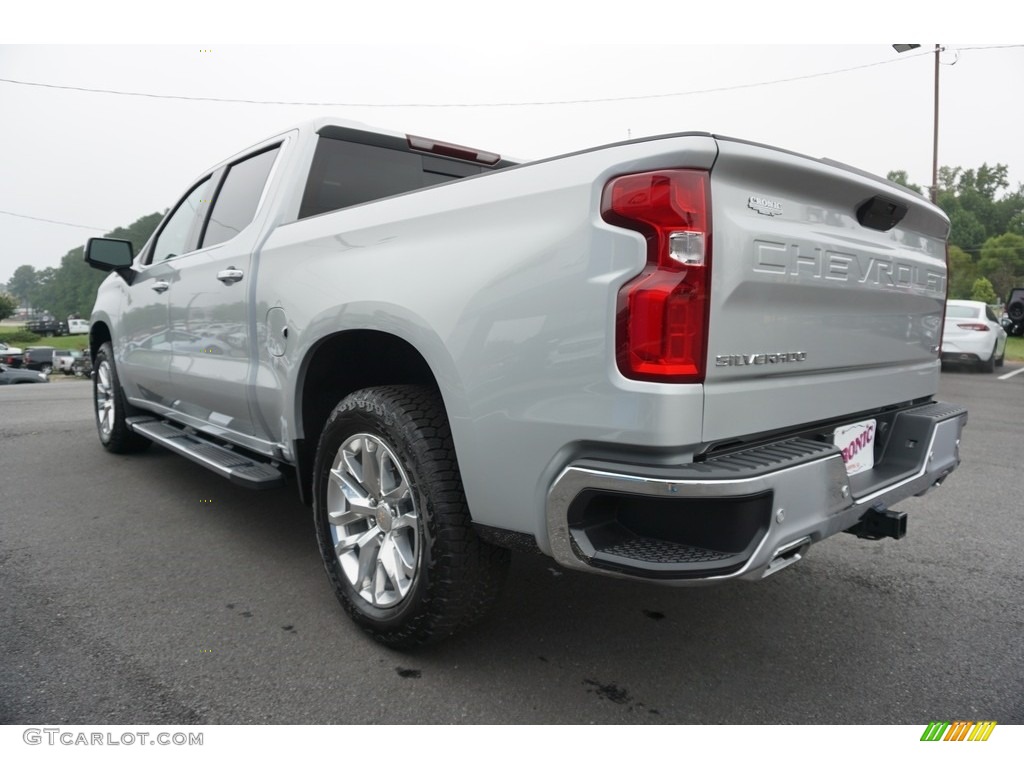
[{"x": 746, "y": 514}]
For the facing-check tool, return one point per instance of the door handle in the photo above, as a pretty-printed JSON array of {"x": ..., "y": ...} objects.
[
  {"x": 230, "y": 275},
  {"x": 160, "y": 286}
]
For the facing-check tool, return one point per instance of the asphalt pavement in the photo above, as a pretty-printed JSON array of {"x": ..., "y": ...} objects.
[{"x": 144, "y": 589}]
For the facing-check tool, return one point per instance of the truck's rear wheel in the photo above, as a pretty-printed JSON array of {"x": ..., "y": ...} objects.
[
  {"x": 112, "y": 408},
  {"x": 392, "y": 522}
]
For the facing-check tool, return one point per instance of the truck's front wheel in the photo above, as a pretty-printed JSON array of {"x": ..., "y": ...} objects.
[
  {"x": 111, "y": 407},
  {"x": 392, "y": 522}
]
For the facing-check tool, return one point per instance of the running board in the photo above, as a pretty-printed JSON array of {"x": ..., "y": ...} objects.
[{"x": 226, "y": 463}]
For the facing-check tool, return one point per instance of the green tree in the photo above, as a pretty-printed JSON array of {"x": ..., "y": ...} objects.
[
  {"x": 948, "y": 177},
  {"x": 41, "y": 295},
  {"x": 1010, "y": 212},
  {"x": 965, "y": 230},
  {"x": 1016, "y": 224},
  {"x": 982, "y": 290},
  {"x": 70, "y": 289},
  {"x": 7, "y": 305},
  {"x": 900, "y": 177},
  {"x": 977, "y": 203},
  {"x": 1002, "y": 262},
  {"x": 23, "y": 283},
  {"x": 963, "y": 271}
]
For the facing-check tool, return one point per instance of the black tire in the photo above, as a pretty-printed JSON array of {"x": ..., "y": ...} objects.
[
  {"x": 987, "y": 366},
  {"x": 444, "y": 577},
  {"x": 111, "y": 408},
  {"x": 1016, "y": 311},
  {"x": 1002, "y": 358}
]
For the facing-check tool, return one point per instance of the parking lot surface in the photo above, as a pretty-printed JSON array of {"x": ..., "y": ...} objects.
[{"x": 143, "y": 589}]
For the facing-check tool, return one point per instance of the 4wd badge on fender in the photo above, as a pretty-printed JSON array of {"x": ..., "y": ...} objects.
[{"x": 764, "y": 206}]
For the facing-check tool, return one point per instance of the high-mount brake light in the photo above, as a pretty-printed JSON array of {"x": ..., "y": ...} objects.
[
  {"x": 662, "y": 316},
  {"x": 452, "y": 150}
]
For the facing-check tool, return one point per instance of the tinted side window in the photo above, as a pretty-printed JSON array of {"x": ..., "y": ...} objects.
[
  {"x": 181, "y": 232},
  {"x": 239, "y": 195},
  {"x": 346, "y": 173}
]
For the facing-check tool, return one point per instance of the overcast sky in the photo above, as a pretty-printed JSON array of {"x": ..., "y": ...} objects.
[{"x": 103, "y": 160}]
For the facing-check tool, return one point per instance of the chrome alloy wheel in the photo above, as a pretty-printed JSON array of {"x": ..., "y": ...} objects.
[
  {"x": 104, "y": 393},
  {"x": 373, "y": 520}
]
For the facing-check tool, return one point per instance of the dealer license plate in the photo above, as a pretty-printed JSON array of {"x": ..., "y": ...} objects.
[{"x": 857, "y": 443}]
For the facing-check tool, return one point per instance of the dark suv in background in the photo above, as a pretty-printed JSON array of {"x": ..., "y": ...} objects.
[
  {"x": 38, "y": 359},
  {"x": 1013, "y": 323}
]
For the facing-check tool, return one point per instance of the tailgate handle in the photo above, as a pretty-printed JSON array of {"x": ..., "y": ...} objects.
[{"x": 880, "y": 213}]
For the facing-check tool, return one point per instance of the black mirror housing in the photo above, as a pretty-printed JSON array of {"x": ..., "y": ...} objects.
[{"x": 108, "y": 254}]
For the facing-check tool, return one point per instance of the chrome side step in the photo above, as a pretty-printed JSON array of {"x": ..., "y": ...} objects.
[{"x": 226, "y": 463}]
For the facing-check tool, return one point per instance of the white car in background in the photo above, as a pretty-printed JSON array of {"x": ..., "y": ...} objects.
[{"x": 973, "y": 336}]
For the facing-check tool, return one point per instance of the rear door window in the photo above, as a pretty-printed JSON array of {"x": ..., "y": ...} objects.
[{"x": 238, "y": 198}]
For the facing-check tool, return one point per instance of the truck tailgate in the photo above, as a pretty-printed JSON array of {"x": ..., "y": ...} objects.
[{"x": 819, "y": 307}]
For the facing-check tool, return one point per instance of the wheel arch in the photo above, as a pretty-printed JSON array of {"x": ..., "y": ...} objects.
[
  {"x": 384, "y": 359},
  {"x": 99, "y": 334}
]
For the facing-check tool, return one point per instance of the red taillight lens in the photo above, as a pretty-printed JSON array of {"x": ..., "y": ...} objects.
[
  {"x": 972, "y": 326},
  {"x": 661, "y": 325}
]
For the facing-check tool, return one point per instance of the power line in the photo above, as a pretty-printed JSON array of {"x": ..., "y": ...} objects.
[
  {"x": 985, "y": 47},
  {"x": 51, "y": 221},
  {"x": 495, "y": 103},
  {"x": 465, "y": 104}
]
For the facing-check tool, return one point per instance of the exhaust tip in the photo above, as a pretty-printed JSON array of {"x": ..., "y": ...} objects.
[{"x": 787, "y": 555}]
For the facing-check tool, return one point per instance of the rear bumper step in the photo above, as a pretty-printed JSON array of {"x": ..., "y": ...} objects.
[
  {"x": 747, "y": 514},
  {"x": 240, "y": 469}
]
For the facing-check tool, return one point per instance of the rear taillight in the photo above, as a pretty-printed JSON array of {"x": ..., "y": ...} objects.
[
  {"x": 662, "y": 315},
  {"x": 972, "y": 326}
]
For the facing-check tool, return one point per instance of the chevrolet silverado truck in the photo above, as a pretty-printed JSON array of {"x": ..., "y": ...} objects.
[{"x": 682, "y": 359}]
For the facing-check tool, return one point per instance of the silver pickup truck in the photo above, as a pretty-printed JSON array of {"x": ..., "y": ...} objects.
[{"x": 683, "y": 359}]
